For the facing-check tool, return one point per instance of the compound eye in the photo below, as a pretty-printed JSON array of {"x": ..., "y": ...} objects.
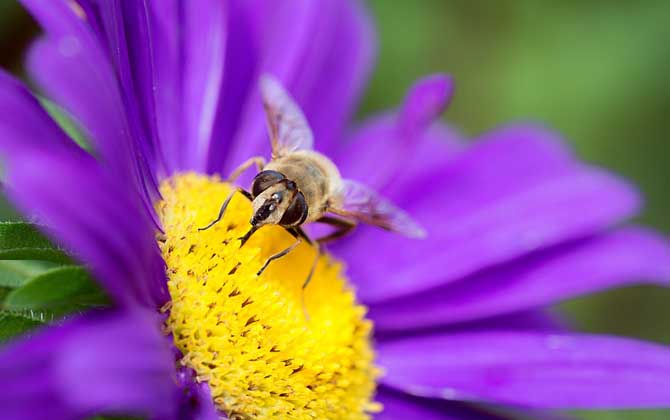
[
  {"x": 265, "y": 180},
  {"x": 296, "y": 213}
]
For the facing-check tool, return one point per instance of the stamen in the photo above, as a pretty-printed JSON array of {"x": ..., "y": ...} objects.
[{"x": 248, "y": 336}]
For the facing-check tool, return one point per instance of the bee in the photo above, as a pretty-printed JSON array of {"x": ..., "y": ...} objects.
[{"x": 300, "y": 186}]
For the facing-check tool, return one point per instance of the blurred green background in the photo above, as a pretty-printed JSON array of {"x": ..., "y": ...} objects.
[{"x": 595, "y": 70}]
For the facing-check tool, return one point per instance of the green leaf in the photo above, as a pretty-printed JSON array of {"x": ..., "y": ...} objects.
[
  {"x": 58, "y": 291},
  {"x": 13, "y": 324},
  {"x": 15, "y": 273},
  {"x": 21, "y": 241},
  {"x": 4, "y": 291}
]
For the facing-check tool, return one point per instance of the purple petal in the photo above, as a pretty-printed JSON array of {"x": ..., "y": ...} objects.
[
  {"x": 398, "y": 406},
  {"x": 24, "y": 125},
  {"x": 70, "y": 65},
  {"x": 206, "y": 410},
  {"x": 123, "y": 29},
  {"x": 238, "y": 80},
  {"x": 86, "y": 208},
  {"x": 203, "y": 57},
  {"x": 536, "y": 320},
  {"x": 330, "y": 85},
  {"x": 616, "y": 259},
  {"x": 532, "y": 320},
  {"x": 322, "y": 52},
  {"x": 204, "y": 39},
  {"x": 411, "y": 144},
  {"x": 516, "y": 192},
  {"x": 426, "y": 101},
  {"x": 96, "y": 218},
  {"x": 218, "y": 76},
  {"x": 196, "y": 402},
  {"x": 111, "y": 363},
  {"x": 74, "y": 70},
  {"x": 535, "y": 370},
  {"x": 77, "y": 86},
  {"x": 175, "y": 73}
]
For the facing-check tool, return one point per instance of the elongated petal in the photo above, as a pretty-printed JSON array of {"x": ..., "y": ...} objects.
[
  {"x": 24, "y": 125},
  {"x": 85, "y": 209},
  {"x": 77, "y": 87},
  {"x": 516, "y": 192},
  {"x": 543, "y": 320},
  {"x": 204, "y": 27},
  {"x": 239, "y": 78},
  {"x": 195, "y": 402},
  {"x": 197, "y": 69},
  {"x": 205, "y": 410},
  {"x": 536, "y": 370},
  {"x": 333, "y": 82},
  {"x": 322, "y": 53},
  {"x": 410, "y": 142},
  {"x": 426, "y": 101},
  {"x": 72, "y": 67},
  {"x": 398, "y": 405},
  {"x": 112, "y": 363},
  {"x": 285, "y": 31},
  {"x": 123, "y": 31},
  {"x": 616, "y": 259}
]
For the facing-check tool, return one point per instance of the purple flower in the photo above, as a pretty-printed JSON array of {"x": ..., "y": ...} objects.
[{"x": 515, "y": 222}]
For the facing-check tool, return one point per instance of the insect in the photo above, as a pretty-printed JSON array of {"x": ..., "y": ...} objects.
[{"x": 300, "y": 186}]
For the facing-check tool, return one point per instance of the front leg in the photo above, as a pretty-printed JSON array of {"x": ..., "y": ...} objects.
[
  {"x": 225, "y": 205},
  {"x": 258, "y": 160}
]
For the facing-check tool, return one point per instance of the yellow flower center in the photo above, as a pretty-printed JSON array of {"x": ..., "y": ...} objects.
[{"x": 263, "y": 354}]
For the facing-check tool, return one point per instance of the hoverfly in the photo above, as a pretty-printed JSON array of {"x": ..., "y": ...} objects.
[{"x": 300, "y": 185}]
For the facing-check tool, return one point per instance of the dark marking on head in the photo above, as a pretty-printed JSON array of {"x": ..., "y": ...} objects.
[
  {"x": 264, "y": 212},
  {"x": 265, "y": 180},
  {"x": 297, "y": 211}
]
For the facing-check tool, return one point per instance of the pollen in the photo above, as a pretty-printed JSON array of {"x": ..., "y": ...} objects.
[{"x": 266, "y": 347}]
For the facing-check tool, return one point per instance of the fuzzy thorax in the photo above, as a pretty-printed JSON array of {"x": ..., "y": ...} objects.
[{"x": 249, "y": 337}]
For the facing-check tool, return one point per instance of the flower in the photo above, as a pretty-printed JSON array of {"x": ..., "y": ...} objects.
[{"x": 166, "y": 93}]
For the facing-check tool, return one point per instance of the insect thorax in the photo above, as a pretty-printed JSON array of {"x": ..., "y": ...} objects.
[{"x": 314, "y": 174}]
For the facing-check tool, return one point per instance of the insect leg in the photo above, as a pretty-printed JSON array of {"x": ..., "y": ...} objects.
[
  {"x": 311, "y": 270},
  {"x": 343, "y": 227},
  {"x": 279, "y": 255},
  {"x": 298, "y": 232},
  {"x": 258, "y": 160},
  {"x": 223, "y": 208}
]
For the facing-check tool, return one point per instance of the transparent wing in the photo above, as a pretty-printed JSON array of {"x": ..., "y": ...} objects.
[
  {"x": 364, "y": 204},
  {"x": 287, "y": 125}
]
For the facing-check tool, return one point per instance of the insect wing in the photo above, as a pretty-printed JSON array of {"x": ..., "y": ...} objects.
[
  {"x": 366, "y": 205},
  {"x": 287, "y": 124}
]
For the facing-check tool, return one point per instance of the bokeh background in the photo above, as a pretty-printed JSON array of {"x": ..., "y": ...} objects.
[{"x": 595, "y": 70}]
